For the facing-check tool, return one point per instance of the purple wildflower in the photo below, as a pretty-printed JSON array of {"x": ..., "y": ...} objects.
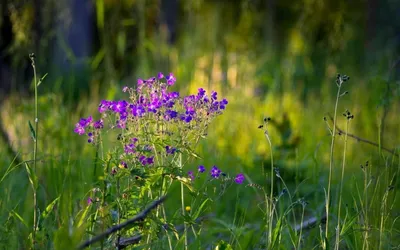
[
  {"x": 119, "y": 106},
  {"x": 142, "y": 159},
  {"x": 170, "y": 79},
  {"x": 150, "y": 80},
  {"x": 154, "y": 105},
  {"x": 130, "y": 148},
  {"x": 214, "y": 95},
  {"x": 170, "y": 114},
  {"x": 90, "y": 139},
  {"x": 89, "y": 201},
  {"x": 223, "y": 103},
  {"x": 123, "y": 164},
  {"x": 215, "y": 172},
  {"x": 201, "y": 93},
  {"x": 146, "y": 160},
  {"x": 150, "y": 160},
  {"x": 113, "y": 171},
  {"x": 121, "y": 123},
  {"x": 103, "y": 106},
  {"x": 85, "y": 122},
  {"x": 160, "y": 75},
  {"x": 173, "y": 95},
  {"x": 138, "y": 110},
  {"x": 147, "y": 148},
  {"x": 239, "y": 178},
  {"x": 124, "y": 89},
  {"x": 170, "y": 150},
  {"x": 191, "y": 175},
  {"x": 79, "y": 129},
  {"x": 201, "y": 169},
  {"x": 98, "y": 124},
  {"x": 186, "y": 118}
]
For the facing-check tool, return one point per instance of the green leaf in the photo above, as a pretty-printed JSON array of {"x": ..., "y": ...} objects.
[
  {"x": 49, "y": 208},
  {"x": 348, "y": 225},
  {"x": 98, "y": 59},
  {"x": 222, "y": 245},
  {"x": 41, "y": 79},
  {"x": 83, "y": 216},
  {"x": 100, "y": 14},
  {"x": 33, "y": 133},
  {"x": 171, "y": 227},
  {"x": 276, "y": 232},
  {"x": 19, "y": 218},
  {"x": 196, "y": 215},
  {"x": 10, "y": 168},
  {"x": 186, "y": 181},
  {"x": 32, "y": 176},
  {"x": 293, "y": 235}
]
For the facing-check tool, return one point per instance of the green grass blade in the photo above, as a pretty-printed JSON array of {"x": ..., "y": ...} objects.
[
  {"x": 32, "y": 130},
  {"x": 50, "y": 208}
]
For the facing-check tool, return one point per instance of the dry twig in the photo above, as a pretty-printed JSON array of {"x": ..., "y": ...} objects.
[{"x": 118, "y": 227}]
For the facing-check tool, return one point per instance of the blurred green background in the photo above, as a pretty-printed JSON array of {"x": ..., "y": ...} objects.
[{"x": 275, "y": 58}]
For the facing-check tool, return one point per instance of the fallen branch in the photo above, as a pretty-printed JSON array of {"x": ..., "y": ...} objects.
[
  {"x": 118, "y": 227},
  {"x": 125, "y": 242},
  {"x": 342, "y": 132},
  {"x": 309, "y": 223}
]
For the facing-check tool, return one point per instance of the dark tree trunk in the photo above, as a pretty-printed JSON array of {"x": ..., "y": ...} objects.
[
  {"x": 169, "y": 11},
  {"x": 270, "y": 22},
  {"x": 76, "y": 32},
  {"x": 371, "y": 19},
  {"x": 6, "y": 37}
]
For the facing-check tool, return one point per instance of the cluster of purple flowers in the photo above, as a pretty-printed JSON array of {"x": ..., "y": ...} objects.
[
  {"x": 87, "y": 123},
  {"x": 170, "y": 150},
  {"x": 152, "y": 97},
  {"x": 215, "y": 173},
  {"x": 152, "y": 100},
  {"x": 132, "y": 148}
]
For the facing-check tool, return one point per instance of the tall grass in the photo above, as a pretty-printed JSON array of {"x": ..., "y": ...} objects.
[{"x": 368, "y": 199}]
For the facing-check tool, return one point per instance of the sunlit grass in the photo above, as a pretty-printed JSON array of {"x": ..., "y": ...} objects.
[{"x": 300, "y": 142}]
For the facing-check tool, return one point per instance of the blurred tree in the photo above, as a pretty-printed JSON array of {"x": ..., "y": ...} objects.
[
  {"x": 110, "y": 39},
  {"x": 169, "y": 18}
]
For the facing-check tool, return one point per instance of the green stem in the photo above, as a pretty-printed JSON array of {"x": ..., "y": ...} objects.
[
  {"x": 270, "y": 206},
  {"x": 327, "y": 204},
  {"x": 290, "y": 199},
  {"x": 383, "y": 209},
  {"x": 301, "y": 228},
  {"x": 341, "y": 187},
  {"x": 183, "y": 205},
  {"x": 35, "y": 149},
  {"x": 366, "y": 236},
  {"x": 150, "y": 195},
  {"x": 168, "y": 237},
  {"x": 119, "y": 209}
]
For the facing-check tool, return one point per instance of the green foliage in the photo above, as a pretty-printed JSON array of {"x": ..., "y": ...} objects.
[{"x": 281, "y": 68}]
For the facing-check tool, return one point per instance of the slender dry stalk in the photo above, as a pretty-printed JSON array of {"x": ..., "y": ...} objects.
[
  {"x": 35, "y": 149},
  {"x": 349, "y": 117},
  {"x": 328, "y": 195}
]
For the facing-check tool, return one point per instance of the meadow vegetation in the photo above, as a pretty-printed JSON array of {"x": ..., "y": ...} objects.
[{"x": 245, "y": 145}]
